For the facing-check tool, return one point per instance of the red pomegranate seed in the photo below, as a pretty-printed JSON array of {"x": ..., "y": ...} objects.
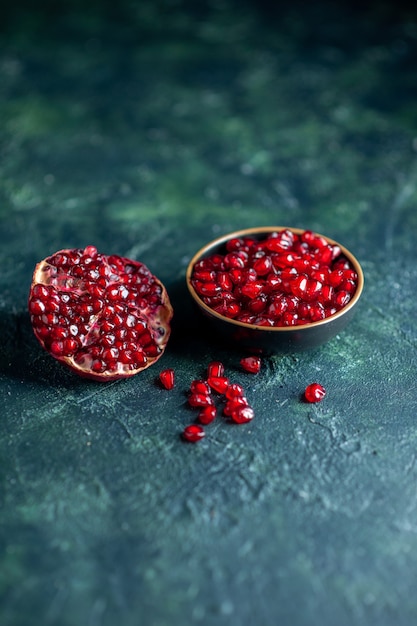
[
  {"x": 341, "y": 299},
  {"x": 219, "y": 383},
  {"x": 207, "y": 289},
  {"x": 200, "y": 400},
  {"x": 252, "y": 289},
  {"x": 214, "y": 369},
  {"x": 206, "y": 276},
  {"x": 231, "y": 309},
  {"x": 258, "y": 304},
  {"x": 193, "y": 433},
  {"x": 242, "y": 414},
  {"x": 234, "y": 391},
  {"x": 199, "y": 387},
  {"x": 167, "y": 378},
  {"x": 314, "y": 392},
  {"x": 262, "y": 265},
  {"x": 225, "y": 281},
  {"x": 235, "y": 403},
  {"x": 207, "y": 414},
  {"x": 251, "y": 364}
]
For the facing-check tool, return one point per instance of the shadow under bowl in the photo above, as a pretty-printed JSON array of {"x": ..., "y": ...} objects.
[{"x": 273, "y": 339}]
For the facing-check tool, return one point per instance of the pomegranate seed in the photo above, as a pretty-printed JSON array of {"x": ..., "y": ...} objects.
[
  {"x": 167, "y": 378},
  {"x": 200, "y": 387},
  {"x": 242, "y": 414},
  {"x": 235, "y": 260},
  {"x": 214, "y": 369},
  {"x": 225, "y": 281},
  {"x": 263, "y": 265},
  {"x": 206, "y": 276},
  {"x": 232, "y": 309},
  {"x": 235, "y": 244},
  {"x": 219, "y": 383},
  {"x": 193, "y": 433},
  {"x": 341, "y": 299},
  {"x": 207, "y": 414},
  {"x": 208, "y": 289},
  {"x": 252, "y": 289},
  {"x": 233, "y": 391},
  {"x": 235, "y": 403},
  {"x": 251, "y": 364},
  {"x": 314, "y": 392},
  {"x": 200, "y": 400},
  {"x": 258, "y": 304}
]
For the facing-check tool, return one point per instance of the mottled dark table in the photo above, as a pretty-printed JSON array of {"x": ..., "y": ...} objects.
[{"x": 148, "y": 128}]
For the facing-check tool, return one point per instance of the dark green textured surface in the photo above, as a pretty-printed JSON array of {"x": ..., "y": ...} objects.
[{"x": 148, "y": 129}]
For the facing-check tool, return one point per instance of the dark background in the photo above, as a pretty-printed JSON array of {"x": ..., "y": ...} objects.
[{"x": 147, "y": 129}]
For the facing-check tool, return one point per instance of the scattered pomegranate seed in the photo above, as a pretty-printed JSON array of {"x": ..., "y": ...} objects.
[
  {"x": 314, "y": 392},
  {"x": 207, "y": 414},
  {"x": 219, "y": 383},
  {"x": 215, "y": 369},
  {"x": 232, "y": 405},
  {"x": 242, "y": 414},
  {"x": 300, "y": 269},
  {"x": 193, "y": 433},
  {"x": 167, "y": 378},
  {"x": 251, "y": 364},
  {"x": 200, "y": 387},
  {"x": 233, "y": 391},
  {"x": 200, "y": 400}
]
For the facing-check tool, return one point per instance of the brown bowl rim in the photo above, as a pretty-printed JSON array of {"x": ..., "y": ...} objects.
[{"x": 265, "y": 230}]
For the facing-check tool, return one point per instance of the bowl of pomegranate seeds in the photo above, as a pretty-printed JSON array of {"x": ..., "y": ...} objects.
[{"x": 275, "y": 289}]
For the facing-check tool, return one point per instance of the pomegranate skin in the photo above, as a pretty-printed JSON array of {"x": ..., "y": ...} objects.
[{"x": 105, "y": 317}]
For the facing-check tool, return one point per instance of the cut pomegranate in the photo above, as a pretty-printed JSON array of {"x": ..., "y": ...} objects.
[
  {"x": 167, "y": 378},
  {"x": 273, "y": 280},
  {"x": 193, "y": 433},
  {"x": 314, "y": 392},
  {"x": 105, "y": 317},
  {"x": 251, "y": 364}
]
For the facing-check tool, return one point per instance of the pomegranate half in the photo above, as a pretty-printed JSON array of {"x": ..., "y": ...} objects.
[{"x": 105, "y": 317}]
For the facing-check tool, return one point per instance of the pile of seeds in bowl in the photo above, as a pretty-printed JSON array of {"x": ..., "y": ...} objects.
[{"x": 283, "y": 279}]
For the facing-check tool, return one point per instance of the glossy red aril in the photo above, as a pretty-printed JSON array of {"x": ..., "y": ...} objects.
[
  {"x": 200, "y": 400},
  {"x": 314, "y": 392},
  {"x": 245, "y": 281},
  {"x": 233, "y": 391},
  {"x": 207, "y": 415},
  {"x": 167, "y": 378},
  {"x": 193, "y": 433},
  {"x": 105, "y": 317},
  {"x": 199, "y": 387},
  {"x": 242, "y": 414},
  {"x": 251, "y": 364},
  {"x": 234, "y": 404},
  {"x": 215, "y": 368},
  {"x": 219, "y": 383}
]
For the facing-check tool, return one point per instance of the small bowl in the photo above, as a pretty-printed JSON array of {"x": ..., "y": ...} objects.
[{"x": 277, "y": 339}]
